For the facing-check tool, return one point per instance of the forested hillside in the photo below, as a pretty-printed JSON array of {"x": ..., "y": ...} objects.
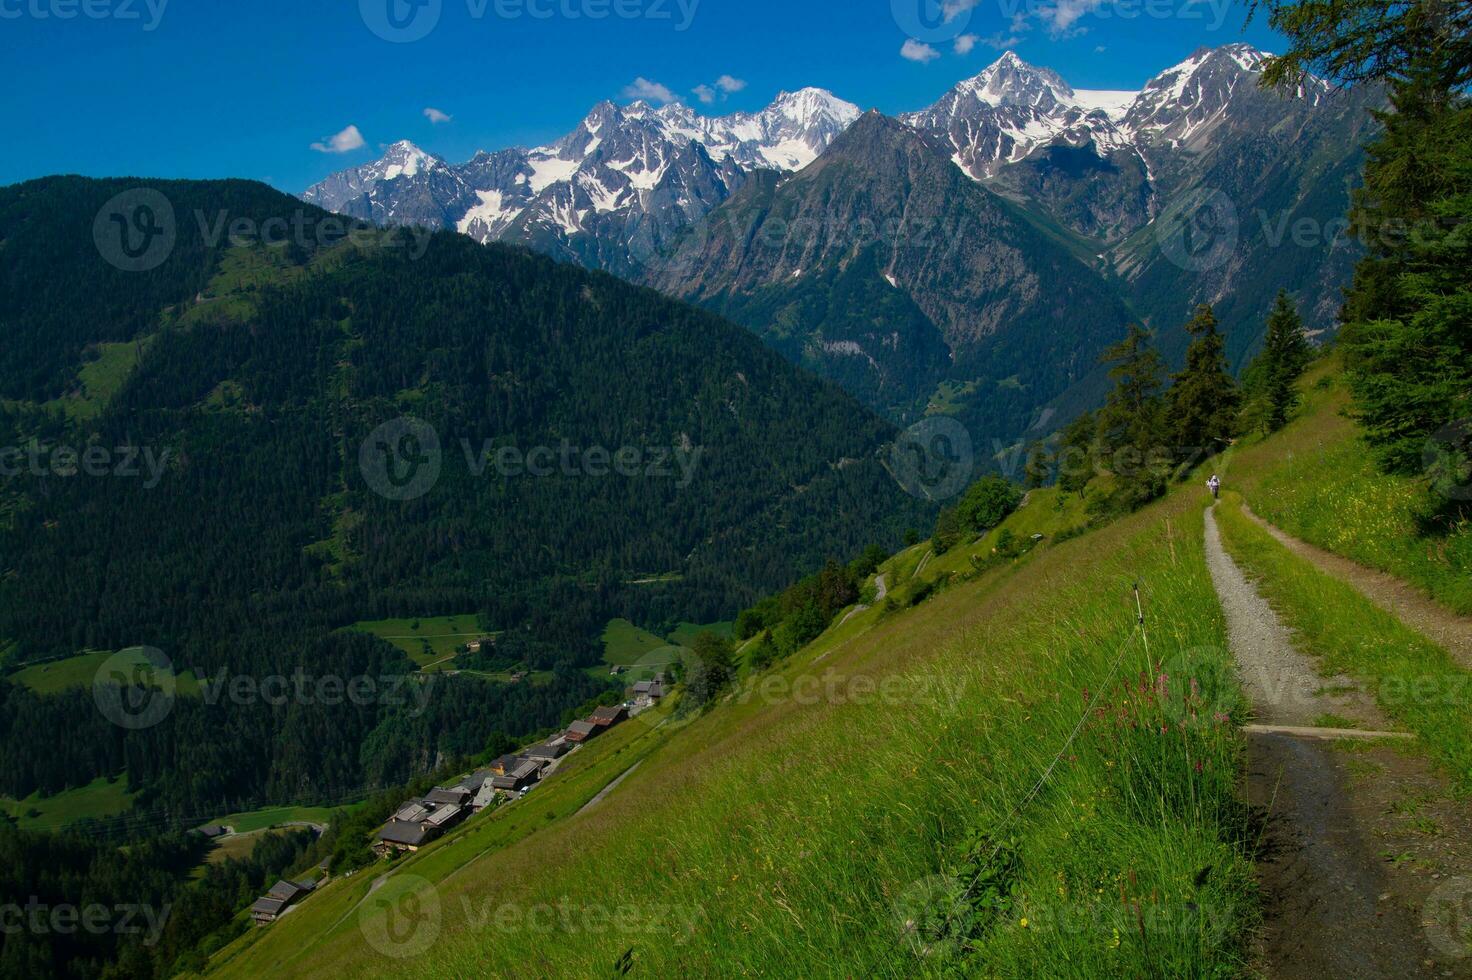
[{"x": 256, "y": 376}]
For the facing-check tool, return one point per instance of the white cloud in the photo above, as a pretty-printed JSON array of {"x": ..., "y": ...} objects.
[
  {"x": 1060, "y": 16},
  {"x": 965, "y": 43},
  {"x": 913, "y": 50},
  {"x": 345, "y": 141},
  {"x": 728, "y": 84},
  {"x": 437, "y": 117},
  {"x": 1099, "y": 49},
  {"x": 643, "y": 88},
  {"x": 704, "y": 93},
  {"x": 1016, "y": 31},
  {"x": 952, "y": 9}
]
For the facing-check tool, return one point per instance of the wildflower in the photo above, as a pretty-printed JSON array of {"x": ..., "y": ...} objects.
[
  {"x": 1023, "y": 922},
  {"x": 1114, "y": 940}
]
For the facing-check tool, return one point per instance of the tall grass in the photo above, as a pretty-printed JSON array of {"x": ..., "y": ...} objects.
[
  {"x": 1001, "y": 781},
  {"x": 1414, "y": 681},
  {"x": 1318, "y": 481}
]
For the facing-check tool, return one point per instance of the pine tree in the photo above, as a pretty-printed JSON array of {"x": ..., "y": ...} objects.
[
  {"x": 1203, "y": 398},
  {"x": 1131, "y": 423},
  {"x": 1407, "y": 332},
  {"x": 1075, "y": 457},
  {"x": 1284, "y": 356},
  {"x": 1036, "y": 466}
]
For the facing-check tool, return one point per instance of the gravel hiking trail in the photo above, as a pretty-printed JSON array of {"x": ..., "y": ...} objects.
[
  {"x": 1363, "y": 851},
  {"x": 1402, "y": 600}
]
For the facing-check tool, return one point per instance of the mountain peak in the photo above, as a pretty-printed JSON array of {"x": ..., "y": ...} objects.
[
  {"x": 405, "y": 159},
  {"x": 1011, "y": 81}
]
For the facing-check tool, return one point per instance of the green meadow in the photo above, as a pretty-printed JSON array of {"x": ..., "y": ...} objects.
[
  {"x": 102, "y": 797},
  {"x": 81, "y": 670},
  {"x": 997, "y": 781},
  {"x": 430, "y": 641},
  {"x": 1317, "y": 480}
]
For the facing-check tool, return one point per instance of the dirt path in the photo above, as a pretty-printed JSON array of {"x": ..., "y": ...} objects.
[
  {"x": 609, "y": 788},
  {"x": 1284, "y": 685},
  {"x": 1396, "y": 596},
  {"x": 1360, "y": 841},
  {"x": 880, "y": 591}
]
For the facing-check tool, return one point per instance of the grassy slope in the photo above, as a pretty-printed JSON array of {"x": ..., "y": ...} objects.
[
  {"x": 624, "y": 643},
  {"x": 99, "y": 798},
  {"x": 427, "y": 639},
  {"x": 797, "y": 830},
  {"x": 329, "y": 920},
  {"x": 1416, "y": 682},
  {"x": 1317, "y": 480},
  {"x": 685, "y": 633},
  {"x": 79, "y": 671},
  {"x": 253, "y": 820}
]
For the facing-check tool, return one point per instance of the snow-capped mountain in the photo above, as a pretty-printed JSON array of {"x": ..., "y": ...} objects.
[
  {"x": 1012, "y": 109},
  {"x": 1186, "y": 101},
  {"x": 956, "y": 290},
  {"x": 623, "y": 170}
]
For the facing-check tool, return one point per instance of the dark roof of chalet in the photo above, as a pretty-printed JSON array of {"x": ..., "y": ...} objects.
[
  {"x": 642, "y": 687},
  {"x": 210, "y": 830},
  {"x": 267, "y": 906},
  {"x": 472, "y": 783},
  {"x": 582, "y": 727},
  {"x": 284, "y": 890},
  {"x": 507, "y": 762},
  {"x": 441, "y": 794},
  {"x": 550, "y": 749},
  {"x": 402, "y": 832},
  {"x": 608, "y": 714}
]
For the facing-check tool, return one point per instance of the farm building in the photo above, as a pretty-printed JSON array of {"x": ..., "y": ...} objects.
[
  {"x": 453, "y": 795},
  {"x": 581, "y": 731},
  {"x": 521, "y": 777},
  {"x": 609, "y": 715},
  {"x": 401, "y": 835},
  {"x": 275, "y": 902},
  {"x": 553, "y": 748}
]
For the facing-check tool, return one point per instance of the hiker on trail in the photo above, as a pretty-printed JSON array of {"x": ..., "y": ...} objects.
[{"x": 1215, "y": 486}]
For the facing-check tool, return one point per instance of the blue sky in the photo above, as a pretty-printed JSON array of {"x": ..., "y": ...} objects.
[{"x": 244, "y": 88}]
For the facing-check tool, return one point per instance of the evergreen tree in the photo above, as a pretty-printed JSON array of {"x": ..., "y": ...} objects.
[
  {"x": 1075, "y": 456},
  {"x": 1203, "y": 399},
  {"x": 1406, "y": 334},
  {"x": 1132, "y": 422},
  {"x": 710, "y": 667},
  {"x": 1277, "y": 369},
  {"x": 1036, "y": 466}
]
